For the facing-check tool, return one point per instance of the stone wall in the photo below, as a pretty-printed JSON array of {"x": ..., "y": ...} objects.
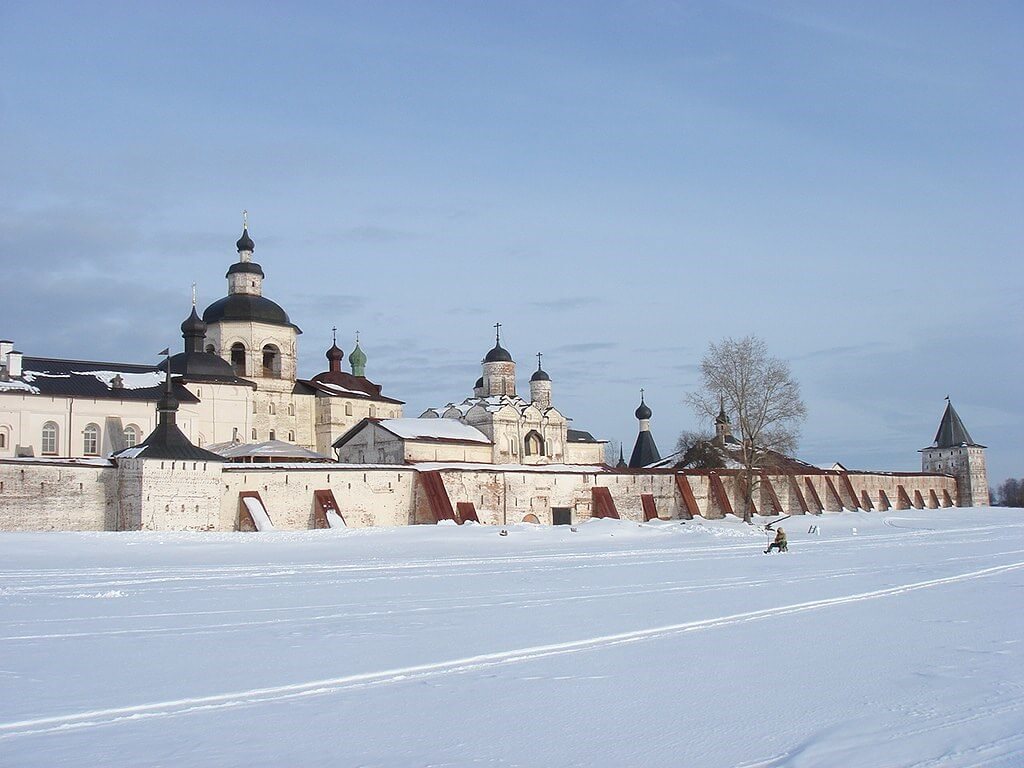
[
  {"x": 365, "y": 497},
  {"x": 57, "y": 495}
]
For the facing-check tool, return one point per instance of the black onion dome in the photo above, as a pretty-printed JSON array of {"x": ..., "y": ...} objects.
[
  {"x": 193, "y": 325},
  {"x": 335, "y": 353},
  {"x": 245, "y": 242},
  {"x": 246, "y": 267},
  {"x": 247, "y": 308},
  {"x": 643, "y": 412},
  {"x": 479, "y": 383},
  {"x": 498, "y": 355},
  {"x": 540, "y": 375}
]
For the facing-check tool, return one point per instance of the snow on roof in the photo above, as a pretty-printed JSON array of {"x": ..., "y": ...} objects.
[
  {"x": 128, "y": 380},
  {"x": 18, "y": 386},
  {"x": 337, "y": 388},
  {"x": 274, "y": 448},
  {"x": 433, "y": 429}
]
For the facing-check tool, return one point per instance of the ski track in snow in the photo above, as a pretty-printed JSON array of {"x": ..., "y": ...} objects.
[{"x": 208, "y": 703}]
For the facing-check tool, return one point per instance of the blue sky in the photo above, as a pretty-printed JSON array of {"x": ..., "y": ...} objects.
[{"x": 618, "y": 184}]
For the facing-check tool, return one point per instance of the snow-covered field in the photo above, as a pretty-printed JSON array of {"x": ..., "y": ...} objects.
[{"x": 887, "y": 640}]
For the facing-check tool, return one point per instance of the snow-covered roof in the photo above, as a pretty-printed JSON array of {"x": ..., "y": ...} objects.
[
  {"x": 276, "y": 449},
  {"x": 433, "y": 429}
]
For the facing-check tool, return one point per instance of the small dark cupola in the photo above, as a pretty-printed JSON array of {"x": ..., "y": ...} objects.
[
  {"x": 622, "y": 460},
  {"x": 335, "y": 355},
  {"x": 499, "y": 354},
  {"x": 643, "y": 412},
  {"x": 245, "y": 242},
  {"x": 540, "y": 374},
  {"x": 194, "y": 331}
]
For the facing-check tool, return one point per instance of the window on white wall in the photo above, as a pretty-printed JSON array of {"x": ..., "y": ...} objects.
[
  {"x": 3, "y": 438},
  {"x": 91, "y": 440},
  {"x": 131, "y": 436},
  {"x": 50, "y": 435},
  {"x": 254, "y": 434},
  {"x": 273, "y": 435},
  {"x": 373, "y": 411},
  {"x": 270, "y": 409},
  {"x": 291, "y": 436},
  {"x": 291, "y": 409},
  {"x": 348, "y": 409}
]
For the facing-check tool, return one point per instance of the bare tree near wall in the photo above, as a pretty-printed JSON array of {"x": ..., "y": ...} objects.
[
  {"x": 696, "y": 451},
  {"x": 760, "y": 394}
]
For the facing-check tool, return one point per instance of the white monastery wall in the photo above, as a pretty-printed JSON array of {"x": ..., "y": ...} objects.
[{"x": 57, "y": 496}]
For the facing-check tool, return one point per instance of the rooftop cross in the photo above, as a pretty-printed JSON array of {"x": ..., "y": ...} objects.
[
  {"x": 334, "y": 335},
  {"x": 497, "y": 332},
  {"x": 357, "y": 337},
  {"x": 539, "y": 356},
  {"x": 245, "y": 219},
  {"x": 193, "y": 294}
]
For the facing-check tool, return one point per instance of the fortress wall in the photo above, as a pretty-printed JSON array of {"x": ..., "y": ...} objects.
[
  {"x": 366, "y": 496},
  {"x": 57, "y": 496},
  {"x": 165, "y": 495}
]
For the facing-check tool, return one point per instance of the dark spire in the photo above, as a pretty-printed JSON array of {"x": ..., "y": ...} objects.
[
  {"x": 642, "y": 412},
  {"x": 539, "y": 374},
  {"x": 498, "y": 354},
  {"x": 723, "y": 417},
  {"x": 622, "y": 461},
  {"x": 167, "y": 406},
  {"x": 952, "y": 433}
]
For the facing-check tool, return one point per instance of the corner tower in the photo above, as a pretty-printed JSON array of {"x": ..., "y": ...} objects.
[{"x": 953, "y": 452}]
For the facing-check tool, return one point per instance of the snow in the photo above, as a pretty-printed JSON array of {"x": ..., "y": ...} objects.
[
  {"x": 268, "y": 448},
  {"x": 259, "y": 514},
  {"x": 433, "y": 429},
  {"x": 18, "y": 386},
  {"x": 619, "y": 643},
  {"x": 128, "y": 380},
  {"x": 334, "y": 519}
]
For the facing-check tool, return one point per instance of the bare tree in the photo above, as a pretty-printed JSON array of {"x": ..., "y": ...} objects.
[
  {"x": 696, "y": 451},
  {"x": 760, "y": 394},
  {"x": 1011, "y": 493}
]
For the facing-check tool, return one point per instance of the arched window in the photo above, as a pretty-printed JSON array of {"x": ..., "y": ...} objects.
[
  {"x": 271, "y": 362},
  {"x": 533, "y": 444},
  {"x": 50, "y": 435},
  {"x": 273, "y": 435},
  {"x": 254, "y": 434},
  {"x": 91, "y": 440},
  {"x": 238, "y": 358},
  {"x": 373, "y": 411},
  {"x": 291, "y": 409},
  {"x": 270, "y": 409},
  {"x": 291, "y": 436},
  {"x": 131, "y": 436},
  {"x": 3, "y": 438}
]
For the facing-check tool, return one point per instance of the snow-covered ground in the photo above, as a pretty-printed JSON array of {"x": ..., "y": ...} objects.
[{"x": 887, "y": 640}]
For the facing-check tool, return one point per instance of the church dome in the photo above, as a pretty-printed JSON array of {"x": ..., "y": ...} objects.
[
  {"x": 247, "y": 308},
  {"x": 540, "y": 375},
  {"x": 245, "y": 242},
  {"x": 193, "y": 325},
  {"x": 498, "y": 355},
  {"x": 200, "y": 365},
  {"x": 479, "y": 383},
  {"x": 335, "y": 353},
  {"x": 357, "y": 357},
  {"x": 643, "y": 412}
]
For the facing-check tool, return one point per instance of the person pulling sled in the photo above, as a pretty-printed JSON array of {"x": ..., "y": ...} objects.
[{"x": 779, "y": 543}]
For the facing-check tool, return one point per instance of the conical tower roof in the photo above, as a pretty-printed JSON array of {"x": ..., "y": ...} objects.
[{"x": 952, "y": 433}]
